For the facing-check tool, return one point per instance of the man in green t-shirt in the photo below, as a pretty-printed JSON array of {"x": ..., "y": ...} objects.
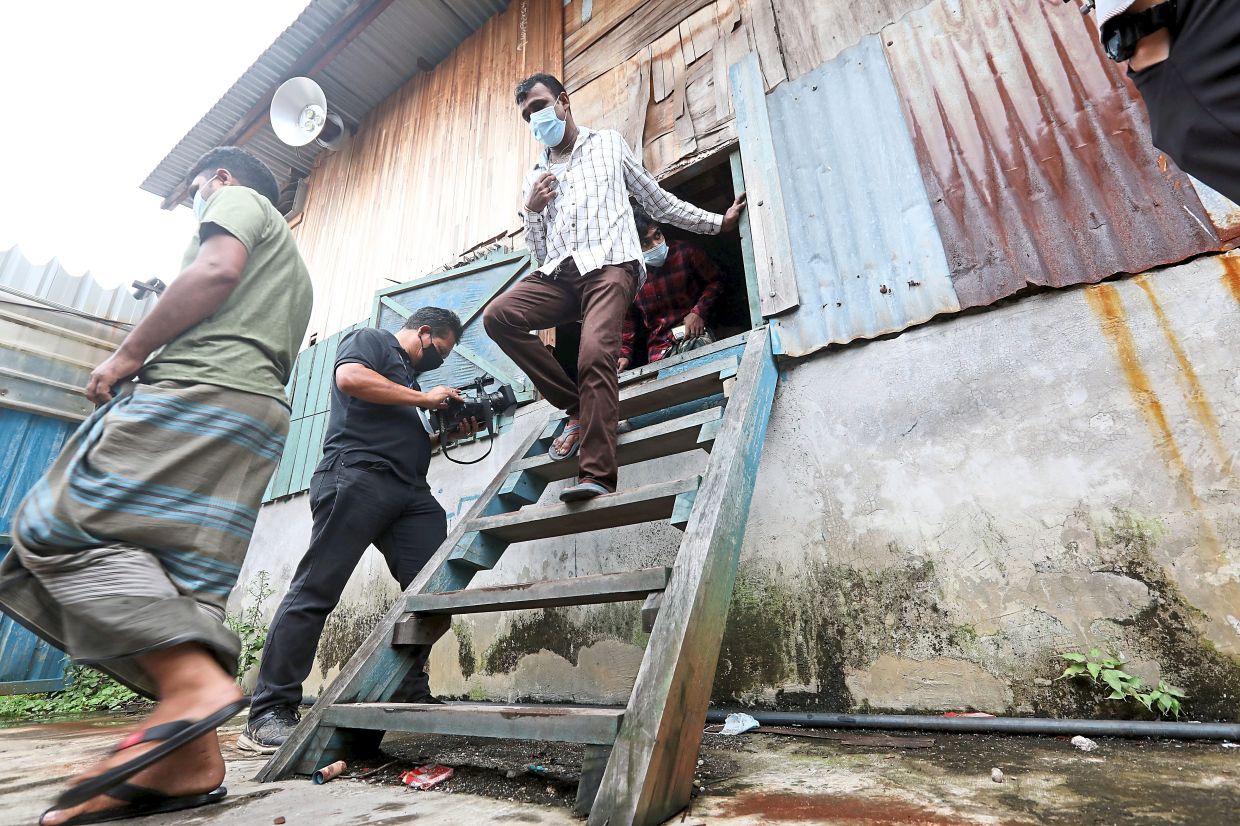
[{"x": 124, "y": 553}]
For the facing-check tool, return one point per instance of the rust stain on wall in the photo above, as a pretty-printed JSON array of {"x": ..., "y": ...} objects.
[
  {"x": 1231, "y": 276},
  {"x": 1105, "y": 302},
  {"x": 1194, "y": 393}
]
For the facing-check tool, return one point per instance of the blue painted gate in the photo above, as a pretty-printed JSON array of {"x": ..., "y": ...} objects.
[{"x": 28, "y": 445}]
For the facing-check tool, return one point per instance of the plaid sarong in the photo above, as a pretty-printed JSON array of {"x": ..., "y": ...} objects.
[{"x": 133, "y": 539}]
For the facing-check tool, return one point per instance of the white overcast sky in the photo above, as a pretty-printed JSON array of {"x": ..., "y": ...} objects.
[{"x": 92, "y": 96}]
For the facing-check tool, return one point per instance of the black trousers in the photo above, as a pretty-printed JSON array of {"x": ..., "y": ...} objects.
[
  {"x": 1193, "y": 96},
  {"x": 353, "y": 507}
]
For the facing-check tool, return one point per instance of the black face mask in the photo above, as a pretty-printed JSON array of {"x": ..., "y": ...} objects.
[{"x": 430, "y": 359}]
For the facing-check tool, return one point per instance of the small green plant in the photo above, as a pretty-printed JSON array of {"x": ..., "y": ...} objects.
[
  {"x": 1109, "y": 672},
  {"x": 87, "y": 691},
  {"x": 249, "y": 625}
]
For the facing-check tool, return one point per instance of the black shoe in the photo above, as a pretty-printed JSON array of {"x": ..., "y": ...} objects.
[
  {"x": 267, "y": 732},
  {"x": 427, "y": 699}
]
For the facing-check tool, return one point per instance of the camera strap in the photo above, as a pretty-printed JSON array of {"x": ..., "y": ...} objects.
[{"x": 492, "y": 428}]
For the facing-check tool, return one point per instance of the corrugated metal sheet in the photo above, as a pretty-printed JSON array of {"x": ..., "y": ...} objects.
[
  {"x": 1035, "y": 149},
  {"x": 1224, "y": 212},
  {"x": 28, "y": 445},
  {"x": 407, "y": 36},
  {"x": 54, "y": 328},
  {"x": 53, "y": 283},
  {"x": 867, "y": 252}
]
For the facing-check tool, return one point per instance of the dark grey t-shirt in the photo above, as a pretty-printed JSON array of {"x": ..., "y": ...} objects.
[{"x": 364, "y": 432}]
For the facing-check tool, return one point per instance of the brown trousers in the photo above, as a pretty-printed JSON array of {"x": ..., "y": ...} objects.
[{"x": 599, "y": 300}]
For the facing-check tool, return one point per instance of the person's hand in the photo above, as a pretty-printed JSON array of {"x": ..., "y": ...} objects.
[
  {"x": 467, "y": 428},
  {"x": 437, "y": 399},
  {"x": 117, "y": 367},
  {"x": 622, "y": 365},
  {"x": 695, "y": 325},
  {"x": 732, "y": 218},
  {"x": 541, "y": 193}
]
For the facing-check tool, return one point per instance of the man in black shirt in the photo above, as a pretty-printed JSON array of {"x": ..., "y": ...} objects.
[
  {"x": 1184, "y": 57},
  {"x": 370, "y": 488}
]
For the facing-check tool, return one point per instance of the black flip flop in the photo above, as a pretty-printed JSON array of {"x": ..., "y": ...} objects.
[
  {"x": 141, "y": 802},
  {"x": 172, "y": 736}
]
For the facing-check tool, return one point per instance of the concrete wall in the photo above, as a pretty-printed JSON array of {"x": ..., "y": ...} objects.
[{"x": 937, "y": 516}]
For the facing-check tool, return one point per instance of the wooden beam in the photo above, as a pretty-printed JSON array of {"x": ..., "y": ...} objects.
[
  {"x": 650, "y": 611},
  {"x": 313, "y": 61},
  {"x": 650, "y": 774},
  {"x": 627, "y": 507},
  {"x": 415, "y": 630},
  {"x": 772, "y": 248},
  {"x": 663, "y": 439},
  {"x": 593, "y": 764},
  {"x": 689, "y": 385},
  {"x": 376, "y": 669},
  {"x": 745, "y": 231},
  {"x": 561, "y": 724},
  {"x": 595, "y": 589}
]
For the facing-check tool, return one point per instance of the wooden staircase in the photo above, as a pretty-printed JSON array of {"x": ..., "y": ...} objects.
[{"x": 640, "y": 759}]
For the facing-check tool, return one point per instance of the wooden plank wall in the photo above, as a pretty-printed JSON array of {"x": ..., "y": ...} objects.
[
  {"x": 812, "y": 32},
  {"x": 433, "y": 172},
  {"x": 657, "y": 70}
]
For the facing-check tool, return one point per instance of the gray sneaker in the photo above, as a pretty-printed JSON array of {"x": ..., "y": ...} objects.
[{"x": 267, "y": 732}]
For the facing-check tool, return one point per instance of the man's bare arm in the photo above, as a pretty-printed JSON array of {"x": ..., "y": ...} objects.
[{"x": 360, "y": 382}]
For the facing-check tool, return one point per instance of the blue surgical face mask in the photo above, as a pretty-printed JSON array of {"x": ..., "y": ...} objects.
[
  {"x": 655, "y": 256},
  {"x": 200, "y": 203},
  {"x": 547, "y": 126}
]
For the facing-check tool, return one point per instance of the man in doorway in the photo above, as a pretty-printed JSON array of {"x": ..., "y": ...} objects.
[
  {"x": 579, "y": 228},
  {"x": 124, "y": 553},
  {"x": 1184, "y": 57},
  {"x": 682, "y": 285},
  {"x": 369, "y": 489}
]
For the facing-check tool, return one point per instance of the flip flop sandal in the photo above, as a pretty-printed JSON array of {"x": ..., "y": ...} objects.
[
  {"x": 171, "y": 736},
  {"x": 568, "y": 454},
  {"x": 141, "y": 802}
]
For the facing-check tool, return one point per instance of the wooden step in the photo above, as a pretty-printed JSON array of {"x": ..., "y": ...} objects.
[
  {"x": 663, "y": 439},
  {"x": 564, "y": 724},
  {"x": 688, "y": 385},
  {"x": 627, "y": 507},
  {"x": 583, "y": 590}
]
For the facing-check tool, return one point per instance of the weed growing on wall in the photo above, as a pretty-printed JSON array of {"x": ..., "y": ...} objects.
[
  {"x": 249, "y": 625},
  {"x": 1109, "y": 673}
]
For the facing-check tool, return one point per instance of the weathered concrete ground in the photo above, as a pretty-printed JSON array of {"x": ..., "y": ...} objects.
[{"x": 752, "y": 780}]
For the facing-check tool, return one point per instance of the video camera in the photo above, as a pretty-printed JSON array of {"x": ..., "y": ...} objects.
[{"x": 486, "y": 407}]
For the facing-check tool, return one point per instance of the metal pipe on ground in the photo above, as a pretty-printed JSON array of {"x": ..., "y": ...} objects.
[{"x": 991, "y": 725}]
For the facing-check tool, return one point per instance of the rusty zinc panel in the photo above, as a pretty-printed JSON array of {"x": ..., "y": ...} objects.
[
  {"x": 868, "y": 257},
  {"x": 1035, "y": 149}
]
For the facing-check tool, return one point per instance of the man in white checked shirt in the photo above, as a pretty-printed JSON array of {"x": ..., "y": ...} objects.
[{"x": 579, "y": 227}]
